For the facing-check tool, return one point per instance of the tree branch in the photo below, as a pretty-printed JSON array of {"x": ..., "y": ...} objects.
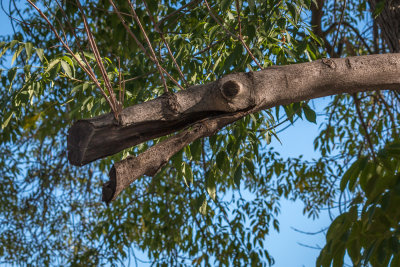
[
  {"x": 102, "y": 136},
  {"x": 125, "y": 172}
]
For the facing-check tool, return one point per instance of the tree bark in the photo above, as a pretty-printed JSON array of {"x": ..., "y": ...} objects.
[
  {"x": 208, "y": 108},
  {"x": 389, "y": 22}
]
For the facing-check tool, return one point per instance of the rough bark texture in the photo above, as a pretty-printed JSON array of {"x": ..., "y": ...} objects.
[
  {"x": 208, "y": 108},
  {"x": 125, "y": 172},
  {"x": 102, "y": 136},
  {"x": 389, "y": 22}
]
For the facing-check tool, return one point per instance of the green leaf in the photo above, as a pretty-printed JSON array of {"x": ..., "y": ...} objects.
[
  {"x": 187, "y": 174},
  {"x": 40, "y": 53},
  {"x": 11, "y": 74},
  {"x": 199, "y": 201},
  {"x": 7, "y": 119},
  {"x": 52, "y": 64},
  {"x": 203, "y": 208},
  {"x": 379, "y": 8},
  {"x": 221, "y": 159},
  {"x": 89, "y": 55},
  {"x": 211, "y": 186},
  {"x": 66, "y": 68},
  {"x": 76, "y": 88},
  {"x": 16, "y": 54},
  {"x": 4, "y": 49},
  {"x": 249, "y": 165},
  {"x": 310, "y": 114},
  {"x": 238, "y": 176},
  {"x": 393, "y": 150},
  {"x": 85, "y": 85},
  {"x": 28, "y": 50},
  {"x": 225, "y": 5},
  {"x": 348, "y": 175},
  {"x": 195, "y": 148},
  {"x": 70, "y": 62},
  {"x": 13, "y": 43}
]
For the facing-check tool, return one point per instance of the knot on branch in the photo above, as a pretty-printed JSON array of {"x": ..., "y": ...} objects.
[
  {"x": 238, "y": 91},
  {"x": 329, "y": 62},
  {"x": 171, "y": 104},
  {"x": 230, "y": 89}
]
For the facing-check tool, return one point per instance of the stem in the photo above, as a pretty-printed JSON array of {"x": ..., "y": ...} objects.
[
  {"x": 88, "y": 71},
  {"x": 150, "y": 46},
  {"x": 166, "y": 44},
  {"x": 360, "y": 116}
]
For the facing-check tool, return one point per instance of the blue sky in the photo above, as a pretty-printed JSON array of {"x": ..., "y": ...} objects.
[{"x": 284, "y": 246}]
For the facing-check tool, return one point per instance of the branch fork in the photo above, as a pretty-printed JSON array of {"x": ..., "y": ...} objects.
[{"x": 202, "y": 110}]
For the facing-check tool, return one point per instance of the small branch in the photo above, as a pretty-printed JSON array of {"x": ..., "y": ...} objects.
[
  {"x": 388, "y": 108},
  {"x": 218, "y": 22},
  {"x": 161, "y": 22},
  {"x": 360, "y": 116},
  {"x": 232, "y": 34},
  {"x": 209, "y": 47},
  {"x": 121, "y": 95},
  {"x": 149, "y": 44},
  {"x": 340, "y": 22},
  {"x": 88, "y": 71},
  {"x": 238, "y": 15},
  {"x": 99, "y": 61},
  {"x": 354, "y": 29},
  {"x": 77, "y": 41},
  {"x": 166, "y": 44},
  {"x": 140, "y": 44},
  {"x": 140, "y": 76}
]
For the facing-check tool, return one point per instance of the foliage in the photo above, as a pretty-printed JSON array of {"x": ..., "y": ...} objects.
[
  {"x": 216, "y": 201},
  {"x": 369, "y": 230}
]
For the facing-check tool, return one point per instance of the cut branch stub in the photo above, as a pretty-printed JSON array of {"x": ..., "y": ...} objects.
[
  {"x": 238, "y": 91},
  {"x": 230, "y": 89}
]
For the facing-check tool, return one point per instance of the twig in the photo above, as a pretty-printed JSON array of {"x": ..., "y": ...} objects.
[
  {"x": 356, "y": 102},
  {"x": 340, "y": 22},
  {"x": 119, "y": 81},
  {"x": 233, "y": 35},
  {"x": 99, "y": 61},
  {"x": 165, "y": 42},
  {"x": 309, "y": 233},
  {"x": 139, "y": 76},
  {"x": 218, "y": 22},
  {"x": 390, "y": 113},
  {"x": 77, "y": 39},
  {"x": 140, "y": 44},
  {"x": 344, "y": 23},
  {"x": 88, "y": 71},
  {"x": 209, "y": 46},
  {"x": 149, "y": 44},
  {"x": 238, "y": 15},
  {"x": 161, "y": 22}
]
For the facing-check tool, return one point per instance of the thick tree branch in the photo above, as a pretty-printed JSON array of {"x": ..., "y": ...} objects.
[
  {"x": 102, "y": 136},
  {"x": 125, "y": 172}
]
